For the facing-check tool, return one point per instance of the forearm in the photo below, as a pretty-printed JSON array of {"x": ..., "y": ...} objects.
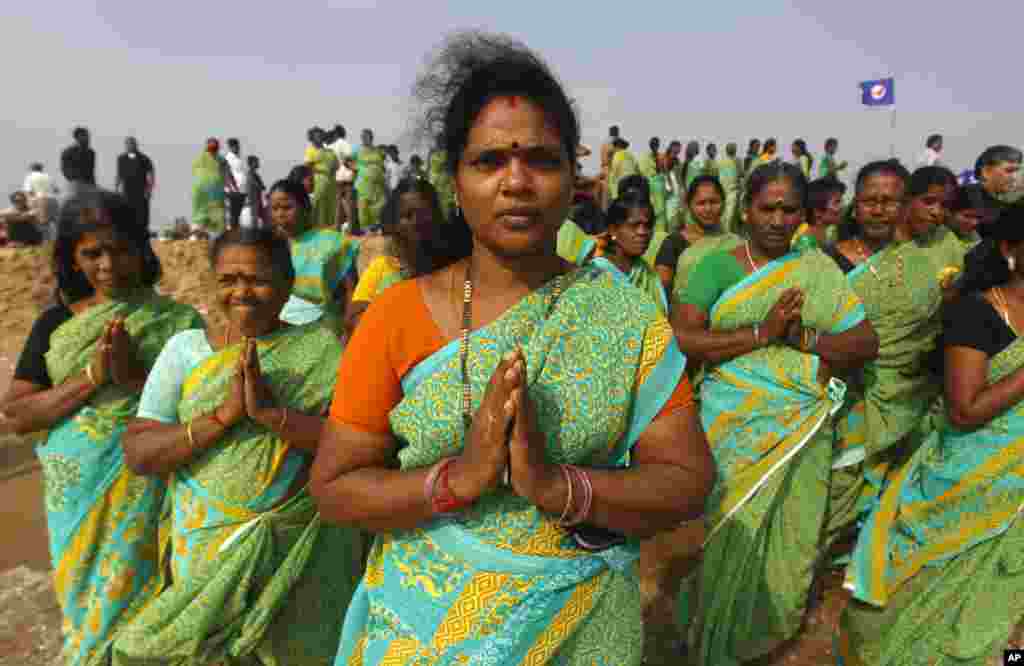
[
  {"x": 380, "y": 499},
  {"x": 43, "y": 410},
  {"x": 639, "y": 501},
  {"x": 157, "y": 449},
  {"x": 848, "y": 350},
  {"x": 714, "y": 347},
  {"x": 298, "y": 429},
  {"x": 989, "y": 403}
]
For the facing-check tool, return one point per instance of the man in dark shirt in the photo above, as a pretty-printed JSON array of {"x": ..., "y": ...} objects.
[
  {"x": 135, "y": 179},
  {"x": 78, "y": 162}
]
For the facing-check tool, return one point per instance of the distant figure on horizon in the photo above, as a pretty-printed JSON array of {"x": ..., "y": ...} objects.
[
  {"x": 254, "y": 214},
  {"x": 932, "y": 155},
  {"x": 345, "y": 177},
  {"x": 136, "y": 179},
  {"x": 78, "y": 162},
  {"x": 828, "y": 167},
  {"x": 607, "y": 151},
  {"x": 238, "y": 185},
  {"x": 211, "y": 176},
  {"x": 324, "y": 163},
  {"x": 19, "y": 224},
  {"x": 768, "y": 155},
  {"x": 371, "y": 184},
  {"x": 802, "y": 158},
  {"x": 40, "y": 190},
  {"x": 753, "y": 152},
  {"x": 711, "y": 160},
  {"x": 415, "y": 170}
]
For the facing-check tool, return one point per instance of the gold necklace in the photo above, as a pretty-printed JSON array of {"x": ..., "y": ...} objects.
[
  {"x": 750, "y": 258},
  {"x": 1003, "y": 308},
  {"x": 862, "y": 251}
]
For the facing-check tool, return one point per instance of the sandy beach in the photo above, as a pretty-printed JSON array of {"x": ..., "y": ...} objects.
[{"x": 29, "y": 617}]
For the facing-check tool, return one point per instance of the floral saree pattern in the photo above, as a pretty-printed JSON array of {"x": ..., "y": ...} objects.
[
  {"x": 102, "y": 517},
  {"x": 252, "y": 576},
  {"x": 505, "y": 584}
]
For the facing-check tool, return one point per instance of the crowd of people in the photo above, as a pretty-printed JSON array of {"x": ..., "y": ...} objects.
[{"x": 445, "y": 448}]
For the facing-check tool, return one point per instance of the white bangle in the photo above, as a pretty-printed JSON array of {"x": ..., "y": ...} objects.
[{"x": 757, "y": 335}]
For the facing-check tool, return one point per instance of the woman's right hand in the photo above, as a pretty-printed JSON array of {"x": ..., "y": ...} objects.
[
  {"x": 99, "y": 366},
  {"x": 783, "y": 313},
  {"x": 232, "y": 410},
  {"x": 485, "y": 456}
]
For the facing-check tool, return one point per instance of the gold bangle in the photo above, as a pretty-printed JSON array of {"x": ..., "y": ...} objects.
[
  {"x": 88, "y": 374},
  {"x": 191, "y": 439},
  {"x": 284, "y": 419}
]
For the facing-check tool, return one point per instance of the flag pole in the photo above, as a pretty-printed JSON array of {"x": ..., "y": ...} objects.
[{"x": 892, "y": 131}]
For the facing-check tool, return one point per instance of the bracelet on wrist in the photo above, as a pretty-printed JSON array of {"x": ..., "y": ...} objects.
[
  {"x": 216, "y": 419},
  {"x": 439, "y": 494},
  {"x": 757, "y": 335}
]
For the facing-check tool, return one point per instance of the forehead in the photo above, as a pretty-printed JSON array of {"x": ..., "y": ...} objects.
[
  {"x": 512, "y": 119},
  {"x": 883, "y": 182},
  {"x": 778, "y": 190},
  {"x": 413, "y": 200},
  {"x": 243, "y": 259},
  {"x": 102, "y": 235}
]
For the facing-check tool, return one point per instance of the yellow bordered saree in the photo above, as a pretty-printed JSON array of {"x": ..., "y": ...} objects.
[{"x": 505, "y": 584}]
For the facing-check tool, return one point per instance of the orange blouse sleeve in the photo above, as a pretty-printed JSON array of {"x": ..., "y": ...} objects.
[
  {"x": 680, "y": 398},
  {"x": 394, "y": 334}
]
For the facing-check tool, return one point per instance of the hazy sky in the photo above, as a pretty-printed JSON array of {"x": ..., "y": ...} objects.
[{"x": 173, "y": 73}]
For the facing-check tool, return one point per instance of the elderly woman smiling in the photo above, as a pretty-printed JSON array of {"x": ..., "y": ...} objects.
[
  {"x": 231, "y": 420},
  {"x": 499, "y": 365}
]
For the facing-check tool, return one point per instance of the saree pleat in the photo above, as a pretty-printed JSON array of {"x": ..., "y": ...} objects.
[
  {"x": 102, "y": 517},
  {"x": 768, "y": 421},
  {"x": 252, "y": 576},
  {"x": 938, "y": 571},
  {"x": 505, "y": 584}
]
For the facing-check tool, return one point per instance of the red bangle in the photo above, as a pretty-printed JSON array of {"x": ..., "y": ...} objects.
[
  {"x": 443, "y": 500},
  {"x": 216, "y": 419}
]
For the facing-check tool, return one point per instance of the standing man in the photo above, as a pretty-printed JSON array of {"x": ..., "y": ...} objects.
[
  {"x": 78, "y": 162},
  {"x": 345, "y": 176},
  {"x": 135, "y": 180},
  {"x": 236, "y": 190},
  {"x": 932, "y": 155},
  {"x": 40, "y": 192},
  {"x": 996, "y": 171}
]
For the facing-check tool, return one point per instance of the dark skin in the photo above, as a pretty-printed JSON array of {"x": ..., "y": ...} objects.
[
  {"x": 880, "y": 209},
  {"x": 706, "y": 207},
  {"x": 415, "y": 226},
  {"x": 630, "y": 240},
  {"x": 971, "y": 401},
  {"x": 251, "y": 293},
  {"x": 286, "y": 217},
  {"x": 112, "y": 265},
  {"x": 514, "y": 182},
  {"x": 773, "y": 217}
]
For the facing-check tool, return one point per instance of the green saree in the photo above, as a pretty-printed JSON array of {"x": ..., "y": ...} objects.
[
  {"x": 688, "y": 260},
  {"x": 208, "y": 193},
  {"x": 371, "y": 185},
  {"x": 102, "y": 517},
  {"x": 504, "y": 584},
  {"x": 938, "y": 572},
  {"x": 438, "y": 176},
  {"x": 885, "y": 416},
  {"x": 767, "y": 419},
  {"x": 325, "y": 165},
  {"x": 252, "y": 577}
]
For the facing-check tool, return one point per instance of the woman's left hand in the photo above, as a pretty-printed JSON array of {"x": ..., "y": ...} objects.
[
  {"x": 532, "y": 475},
  {"x": 259, "y": 399}
]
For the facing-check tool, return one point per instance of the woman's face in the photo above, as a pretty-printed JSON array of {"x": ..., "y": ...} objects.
[
  {"x": 514, "y": 179},
  {"x": 415, "y": 219},
  {"x": 774, "y": 215},
  {"x": 830, "y": 214},
  {"x": 110, "y": 263},
  {"x": 285, "y": 213},
  {"x": 880, "y": 206},
  {"x": 795, "y": 149},
  {"x": 930, "y": 209},
  {"x": 633, "y": 236},
  {"x": 706, "y": 206},
  {"x": 249, "y": 291}
]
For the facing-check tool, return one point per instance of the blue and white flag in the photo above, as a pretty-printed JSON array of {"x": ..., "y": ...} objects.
[{"x": 880, "y": 92}]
